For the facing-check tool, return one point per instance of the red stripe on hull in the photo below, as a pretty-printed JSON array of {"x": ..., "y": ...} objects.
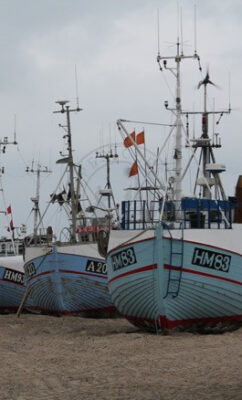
[
  {"x": 129, "y": 243},
  {"x": 42, "y": 273},
  {"x": 167, "y": 325},
  {"x": 191, "y": 271},
  {"x": 110, "y": 309},
  {"x": 79, "y": 255},
  {"x": 8, "y": 309},
  {"x": 68, "y": 271},
  {"x": 135, "y": 271},
  {"x": 168, "y": 238},
  {"x": 166, "y": 266}
]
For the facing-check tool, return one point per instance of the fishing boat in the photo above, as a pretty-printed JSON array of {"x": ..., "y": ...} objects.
[
  {"x": 12, "y": 286},
  {"x": 67, "y": 274},
  {"x": 11, "y": 275},
  {"x": 176, "y": 263}
]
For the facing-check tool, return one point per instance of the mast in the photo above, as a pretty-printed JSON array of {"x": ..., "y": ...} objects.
[
  {"x": 206, "y": 156},
  {"x": 3, "y": 144},
  {"x": 69, "y": 160},
  {"x": 35, "y": 199},
  {"x": 210, "y": 170},
  {"x": 107, "y": 157},
  {"x": 178, "y": 146},
  {"x": 177, "y": 111}
]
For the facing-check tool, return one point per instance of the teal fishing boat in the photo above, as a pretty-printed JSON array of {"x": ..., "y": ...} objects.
[{"x": 176, "y": 263}]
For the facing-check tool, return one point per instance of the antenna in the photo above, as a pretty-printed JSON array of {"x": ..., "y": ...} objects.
[
  {"x": 38, "y": 170},
  {"x": 213, "y": 120},
  {"x": 178, "y": 21},
  {"x": 76, "y": 82},
  {"x": 110, "y": 133},
  {"x": 158, "y": 31},
  {"x": 229, "y": 91},
  {"x": 195, "y": 29},
  {"x": 195, "y": 37},
  {"x": 193, "y": 124},
  {"x": 181, "y": 33},
  {"x": 14, "y": 130}
]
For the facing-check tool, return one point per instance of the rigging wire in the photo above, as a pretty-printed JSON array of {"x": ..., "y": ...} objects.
[
  {"x": 146, "y": 123},
  {"x": 168, "y": 87}
]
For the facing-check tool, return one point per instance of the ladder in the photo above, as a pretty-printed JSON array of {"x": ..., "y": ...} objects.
[{"x": 175, "y": 265}]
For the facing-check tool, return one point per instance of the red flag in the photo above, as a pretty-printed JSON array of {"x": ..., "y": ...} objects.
[
  {"x": 10, "y": 226},
  {"x": 140, "y": 138},
  {"x": 9, "y": 210},
  {"x": 134, "y": 169},
  {"x": 127, "y": 141}
]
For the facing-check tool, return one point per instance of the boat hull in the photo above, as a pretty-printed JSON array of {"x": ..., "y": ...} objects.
[
  {"x": 12, "y": 288},
  {"x": 163, "y": 281},
  {"x": 70, "y": 279}
]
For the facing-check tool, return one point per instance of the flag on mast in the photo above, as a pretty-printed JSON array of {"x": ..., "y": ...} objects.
[
  {"x": 127, "y": 141},
  {"x": 134, "y": 169},
  {"x": 140, "y": 138},
  {"x": 9, "y": 210},
  {"x": 10, "y": 227}
]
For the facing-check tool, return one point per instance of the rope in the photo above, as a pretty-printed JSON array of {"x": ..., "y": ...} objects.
[{"x": 134, "y": 237}]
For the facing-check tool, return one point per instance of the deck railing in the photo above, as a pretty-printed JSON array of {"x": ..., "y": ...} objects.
[{"x": 191, "y": 213}]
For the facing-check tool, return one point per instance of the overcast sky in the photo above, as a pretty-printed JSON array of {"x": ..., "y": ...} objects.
[{"x": 113, "y": 46}]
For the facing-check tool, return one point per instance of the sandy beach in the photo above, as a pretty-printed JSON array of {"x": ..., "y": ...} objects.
[{"x": 74, "y": 358}]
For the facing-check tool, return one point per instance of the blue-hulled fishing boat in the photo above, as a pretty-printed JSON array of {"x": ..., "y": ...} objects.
[
  {"x": 176, "y": 263},
  {"x": 68, "y": 278},
  {"x": 11, "y": 275},
  {"x": 69, "y": 275}
]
